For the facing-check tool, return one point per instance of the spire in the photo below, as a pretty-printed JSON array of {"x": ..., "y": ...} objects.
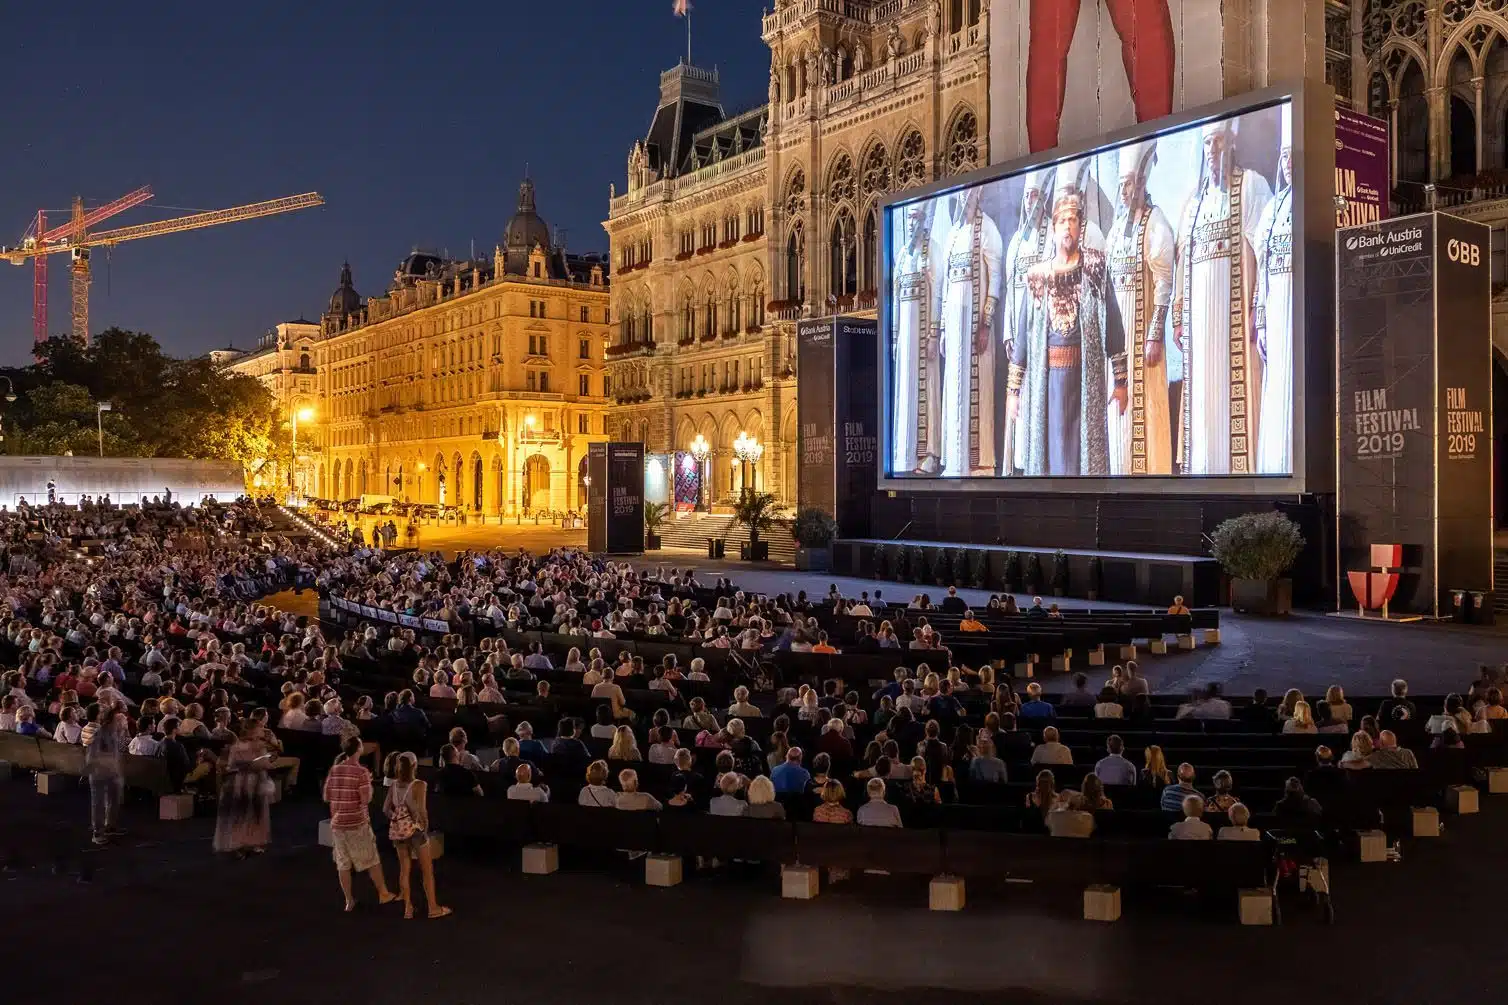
[
  {"x": 526, "y": 195},
  {"x": 345, "y": 274}
]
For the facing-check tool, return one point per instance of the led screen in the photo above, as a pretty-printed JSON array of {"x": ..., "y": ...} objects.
[{"x": 1126, "y": 313}]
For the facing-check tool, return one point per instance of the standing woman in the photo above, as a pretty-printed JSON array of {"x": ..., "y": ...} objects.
[
  {"x": 243, "y": 825},
  {"x": 407, "y": 810}
]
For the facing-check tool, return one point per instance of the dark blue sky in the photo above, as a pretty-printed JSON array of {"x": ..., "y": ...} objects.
[{"x": 415, "y": 122}]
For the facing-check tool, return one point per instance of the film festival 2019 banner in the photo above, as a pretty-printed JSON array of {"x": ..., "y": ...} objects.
[
  {"x": 1362, "y": 168},
  {"x": 816, "y": 439},
  {"x": 1413, "y": 401},
  {"x": 837, "y": 416},
  {"x": 625, "y": 498}
]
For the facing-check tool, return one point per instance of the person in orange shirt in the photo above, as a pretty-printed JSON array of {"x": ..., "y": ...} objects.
[
  {"x": 971, "y": 623},
  {"x": 823, "y": 646},
  {"x": 1178, "y": 606}
]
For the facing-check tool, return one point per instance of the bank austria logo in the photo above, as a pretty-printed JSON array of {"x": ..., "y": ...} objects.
[
  {"x": 1468, "y": 253},
  {"x": 1351, "y": 243},
  {"x": 1393, "y": 242}
]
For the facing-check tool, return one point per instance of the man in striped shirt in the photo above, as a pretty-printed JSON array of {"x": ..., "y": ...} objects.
[{"x": 348, "y": 790}]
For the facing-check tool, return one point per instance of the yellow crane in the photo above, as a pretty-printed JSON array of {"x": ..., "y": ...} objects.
[{"x": 76, "y": 239}]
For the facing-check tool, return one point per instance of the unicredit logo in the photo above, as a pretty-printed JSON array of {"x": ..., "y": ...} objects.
[{"x": 1350, "y": 244}]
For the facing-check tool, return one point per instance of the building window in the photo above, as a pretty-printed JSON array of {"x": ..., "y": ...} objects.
[
  {"x": 607, "y": 315},
  {"x": 607, "y": 385},
  {"x": 531, "y": 308},
  {"x": 544, "y": 381},
  {"x": 583, "y": 384},
  {"x": 583, "y": 423},
  {"x": 583, "y": 314},
  {"x": 533, "y": 346},
  {"x": 536, "y": 270},
  {"x": 531, "y": 380},
  {"x": 585, "y": 351}
]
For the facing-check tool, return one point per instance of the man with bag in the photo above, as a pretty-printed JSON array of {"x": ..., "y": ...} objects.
[
  {"x": 348, "y": 790},
  {"x": 103, "y": 766}
]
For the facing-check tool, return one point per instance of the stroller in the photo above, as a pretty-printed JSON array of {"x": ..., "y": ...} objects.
[{"x": 1300, "y": 864}]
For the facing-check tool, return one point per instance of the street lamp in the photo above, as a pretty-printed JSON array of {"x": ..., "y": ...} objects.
[
  {"x": 10, "y": 399},
  {"x": 748, "y": 450},
  {"x": 300, "y": 414},
  {"x": 701, "y": 450},
  {"x": 100, "y": 408}
]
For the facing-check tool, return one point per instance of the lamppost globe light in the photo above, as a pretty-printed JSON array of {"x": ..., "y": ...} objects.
[
  {"x": 306, "y": 415},
  {"x": 422, "y": 466}
]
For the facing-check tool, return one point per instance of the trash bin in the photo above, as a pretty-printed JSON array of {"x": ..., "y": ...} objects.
[
  {"x": 1460, "y": 605},
  {"x": 1482, "y": 607},
  {"x": 716, "y": 547}
]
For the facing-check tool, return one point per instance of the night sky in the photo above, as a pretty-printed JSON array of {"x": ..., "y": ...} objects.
[{"x": 414, "y": 121}]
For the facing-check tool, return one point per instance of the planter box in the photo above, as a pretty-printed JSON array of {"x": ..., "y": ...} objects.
[
  {"x": 814, "y": 559},
  {"x": 754, "y": 551},
  {"x": 1262, "y": 596},
  {"x": 651, "y": 542}
]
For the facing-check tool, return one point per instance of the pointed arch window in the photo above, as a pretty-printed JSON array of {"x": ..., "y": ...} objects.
[
  {"x": 795, "y": 268},
  {"x": 843, "y": 274},
  {"x": 963, "y": 144}
]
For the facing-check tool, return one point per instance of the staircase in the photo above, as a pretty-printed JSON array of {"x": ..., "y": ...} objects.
[{"x": 691, "y": 530}]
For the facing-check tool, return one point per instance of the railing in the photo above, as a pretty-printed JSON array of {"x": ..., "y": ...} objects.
[
  {"x": 667, "y": 189},
  {"x": 911, "y": 63}
]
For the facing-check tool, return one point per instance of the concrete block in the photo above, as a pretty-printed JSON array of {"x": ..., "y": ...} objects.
[
  {"x": 1461, "y": 799},
  {"x": 1097, "y": 657},
  {"x": 1374, "y": 846},
  {"x": 1497, "y": 780},
  {"x": 1212, "y": 636},
  {"x": 1023, "y": 669},
  {"x": 175, "y": 807},
  {"x": 1158, "y": 646},
  {"x": 662, "y": 870},
  {"x": 51, "y": 783},
  {"x": 1127, "y": 651},
  {"x": 5, "y": 771},
  {"x": 945, "y": 893},
  {"x": 1187, "y": 641},
  {"x": 436, "y": 845},
  {"x": 541, "y": 859},
  {"x": 1060, "y": 664},
  {"x": 326, "y": 835},
  {"x": 1426, "y": 822},
  {"x": 1256, "y": 906},
  {"x": 1102, "y": 903},
  {"x": 799, "y": 882}
]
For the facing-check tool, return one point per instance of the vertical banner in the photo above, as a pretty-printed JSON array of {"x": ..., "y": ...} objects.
[
  {"x": 1385, "y": 322},
  {"x": 688, "y": 482},
  {"x": 596, "y": 497},
  {"x": 1463, "y": 406},
  {"x": 856, "y": 421},
  {"x": 815, "y": 415},
  {"x": 1362, "y": 179},
  {"x": 625, "y": 498}
]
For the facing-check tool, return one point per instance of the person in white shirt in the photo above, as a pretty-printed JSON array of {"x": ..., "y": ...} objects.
[
  {"x": 663, "y": 750},
  {"x": 741, "y": 707},
  {"x": 698, "y": 670},
  {"x": 862, "y": 609},
  {"x": 524, "y": 789},
  {"x": 441, "y": 687},
  {"x": 144, "y": 744},
  {"x": 1050, "y": 751},
  {"x": 1192, "y": 827},
  {"x": 1237, "y": 829}
]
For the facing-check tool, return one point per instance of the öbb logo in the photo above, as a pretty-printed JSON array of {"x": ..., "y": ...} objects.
[{"x": 1465, "y": 252}]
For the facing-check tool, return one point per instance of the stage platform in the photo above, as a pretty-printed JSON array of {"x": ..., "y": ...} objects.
[{"x": 1124, "y": 576}]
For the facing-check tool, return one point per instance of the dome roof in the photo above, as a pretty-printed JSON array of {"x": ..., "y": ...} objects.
[
  {"x": 527, "y": 228},
  {"x": 345, "y": 300},
  {"x": 420, "y": 264}
]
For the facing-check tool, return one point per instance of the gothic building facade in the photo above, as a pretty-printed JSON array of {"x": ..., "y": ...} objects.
[{"x": 733, "y": 227}]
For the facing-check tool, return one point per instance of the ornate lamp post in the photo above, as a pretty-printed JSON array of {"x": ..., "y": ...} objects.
[
  {"x": 304, "y": 414},
  {"x": 748, "y": 450},
  {"x": 701, "y": 450}
]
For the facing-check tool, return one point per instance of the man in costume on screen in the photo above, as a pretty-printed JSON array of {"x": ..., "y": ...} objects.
[
  {"x": 970, "y": 296},
  {"x": 1272, "y": 316},
  {"x": 1212, "y": 293},
  {"x": 1030, "y": 244},
  {"x": 1073, "y": 352},
  {"x": 1141, "y": 248},
  {"x": 915, "y": 388}
]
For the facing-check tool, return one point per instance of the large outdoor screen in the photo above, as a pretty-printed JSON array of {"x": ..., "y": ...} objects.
[{"x": 1126, "y": 313}]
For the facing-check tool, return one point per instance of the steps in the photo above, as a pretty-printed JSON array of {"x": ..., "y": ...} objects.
[
  {"x": 691, "y": 531},
  {"x": 1500, "y": 581}
]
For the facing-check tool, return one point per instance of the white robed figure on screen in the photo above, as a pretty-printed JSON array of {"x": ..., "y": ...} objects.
[
  {"x": 1211, "y": 309},
  {"x": 915, "y": 388},
  {"x": 970, "y": 294},
  {"x": 1272, "y": 315},
  {"x": 1071, "y": 366},
  {"x": 1140, "y": 252},
  {"x": 1030, "y": 244}
]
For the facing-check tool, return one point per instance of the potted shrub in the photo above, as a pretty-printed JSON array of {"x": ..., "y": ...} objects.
[
  {"x": 896, "y": 559},
  {"x": 1012, "y": 575},
  {"x": 979, "y": 569},
  {"x": 1096, "y": 570},
  {"x": 814, "y": 531},
  {"x": 1034, "y": 572},
  {"x": 916, "y": 564},
  {"x": 654, "y": 519},
  {"x": 961, "y": 567},
  {"x": 881, "y": 562},
  {"x": 756, "y": 511},
  {"x": 1255, "y": 549},
  {"x": 1059, "y": 574}
]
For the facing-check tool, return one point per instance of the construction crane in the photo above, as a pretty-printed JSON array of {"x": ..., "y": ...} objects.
[{"x": 76, "y": 238}]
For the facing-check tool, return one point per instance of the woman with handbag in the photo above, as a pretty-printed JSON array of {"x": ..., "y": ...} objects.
[{"x": 407, "y": 810}]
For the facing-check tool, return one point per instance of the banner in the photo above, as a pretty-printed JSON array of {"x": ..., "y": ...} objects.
[
  {"x": 1414, "y": 373},
  {"x": 625, "y": 498},
  {"x": 856, "y": 422},
  {"x": 436, "y": 625},
  {"x": 1463, "y": 404},
  {"x": 409, "y": 621},
  {"x": 1362, "y": 179},
  {"x": 815, "y": 416},
  {"x": 596, "y": 497}
]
